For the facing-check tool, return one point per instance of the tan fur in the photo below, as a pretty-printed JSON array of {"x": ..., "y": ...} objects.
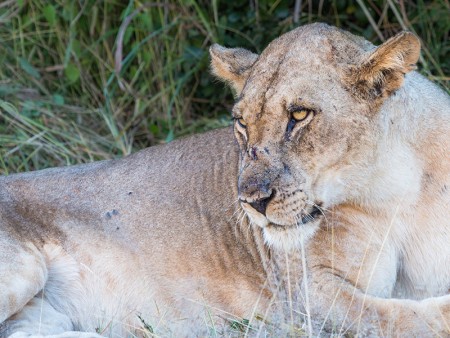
[
  {"x": 362, "y": 183},
  {"x": 232, "y": 65},
  {"x": 155, "y": 239},
  {"x": 159, "y": 239}
]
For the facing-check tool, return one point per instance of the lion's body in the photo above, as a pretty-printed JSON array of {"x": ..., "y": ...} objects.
[
  {"x": 110, "y": 240},
  {"x": 160, "y": 234}
]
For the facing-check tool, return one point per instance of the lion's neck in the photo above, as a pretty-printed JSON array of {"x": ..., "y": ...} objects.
[
  {"x": 283, "y": 275},
  {"x": 410, "y": 162}
]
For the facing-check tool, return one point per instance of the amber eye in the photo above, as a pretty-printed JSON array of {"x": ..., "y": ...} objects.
[
  {"x": 241, "y": 122},
  {"x": 300, "y": 115}
]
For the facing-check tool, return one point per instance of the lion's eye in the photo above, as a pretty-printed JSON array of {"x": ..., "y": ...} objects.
[
  {"x": 241, "y": 122},
  {"x": 300, "y": 115}
]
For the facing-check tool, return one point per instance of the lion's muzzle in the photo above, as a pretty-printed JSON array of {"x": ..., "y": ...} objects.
[{"x": 256, "y": 190}]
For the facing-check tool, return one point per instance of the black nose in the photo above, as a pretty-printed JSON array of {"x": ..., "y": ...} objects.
[{"x": 261, "y": 204}]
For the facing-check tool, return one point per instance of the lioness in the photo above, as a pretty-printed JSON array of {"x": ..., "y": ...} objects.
[{"x": 342, "y": 169}]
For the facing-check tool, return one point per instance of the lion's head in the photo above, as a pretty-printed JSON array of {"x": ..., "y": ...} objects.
[{"x": 307, "y": 119}]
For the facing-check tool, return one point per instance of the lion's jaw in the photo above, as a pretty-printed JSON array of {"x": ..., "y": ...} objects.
[
  {"x": 292, "y": 214},
  {"x": 285, "y": 237}
]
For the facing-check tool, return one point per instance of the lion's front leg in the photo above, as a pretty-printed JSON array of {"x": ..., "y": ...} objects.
[
  {"x": 341, "y": 308},
  {"x": 351, "y": 284}
]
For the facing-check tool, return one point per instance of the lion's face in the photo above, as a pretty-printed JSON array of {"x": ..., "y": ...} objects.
[{"x": 305, "y": 123}]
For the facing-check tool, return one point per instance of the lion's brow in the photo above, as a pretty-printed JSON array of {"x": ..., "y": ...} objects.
[{"x": 235, "y": 114}]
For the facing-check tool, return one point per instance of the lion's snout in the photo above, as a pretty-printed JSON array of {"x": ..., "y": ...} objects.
[
  {"x": 260, "y": 205},
  {"x": 256, "y": 191}
]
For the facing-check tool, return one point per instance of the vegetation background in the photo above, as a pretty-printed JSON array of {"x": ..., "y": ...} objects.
[{"x": 94, "y": 79}]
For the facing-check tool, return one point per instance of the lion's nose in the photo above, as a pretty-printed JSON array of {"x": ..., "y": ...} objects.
[
  {"x": 255, "y": 191},
  {"x": 260, "y": 205}
]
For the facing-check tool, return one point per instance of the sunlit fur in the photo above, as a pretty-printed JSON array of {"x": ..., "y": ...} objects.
[{"x": 374, "y": 160}]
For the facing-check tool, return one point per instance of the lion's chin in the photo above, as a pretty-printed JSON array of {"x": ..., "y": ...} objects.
[
  {"x": 289, "y": 238},
  {"x": 285, "y": 237}
]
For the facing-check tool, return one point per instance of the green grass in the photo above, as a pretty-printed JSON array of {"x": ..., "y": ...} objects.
[{"x": 69, "y": 96}]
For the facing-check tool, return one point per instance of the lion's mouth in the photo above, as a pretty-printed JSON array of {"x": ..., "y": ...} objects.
[
  {"x": 309, "y": 217},
  {"x": 284, "y": 222},
  {"x": 312, "y": 215}
]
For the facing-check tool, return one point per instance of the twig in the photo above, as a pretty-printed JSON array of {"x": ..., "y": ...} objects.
[
  {"x": 371, "y": 21},
  {"x": 297, "y": 10},
  {"x": 119, "y": 49}
]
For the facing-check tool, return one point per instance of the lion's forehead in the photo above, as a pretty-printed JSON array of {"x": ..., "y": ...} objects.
[
  {"x": 279, "y": 77},
  {"x": 303, "y": 67},
  {"x": 311, "y": 45},
  {"x": 316, "y": 87}
]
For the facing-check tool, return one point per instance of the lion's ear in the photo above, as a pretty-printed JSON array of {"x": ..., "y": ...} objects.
[
  {"x": 382, "y": 71},
  {"x": 232, "y": 65}
]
